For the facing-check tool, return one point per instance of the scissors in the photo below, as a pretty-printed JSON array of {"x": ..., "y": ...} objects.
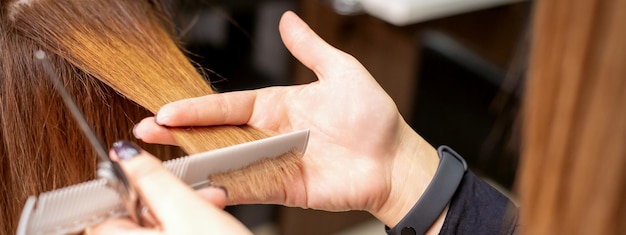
[{"x": 107, "y": 169}]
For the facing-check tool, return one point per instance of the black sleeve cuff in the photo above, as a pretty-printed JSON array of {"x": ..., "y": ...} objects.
[{"x": 477, "y": 208}]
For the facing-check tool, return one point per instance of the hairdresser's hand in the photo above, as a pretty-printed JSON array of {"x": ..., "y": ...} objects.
[
  {"x": 174, "y": 206},
  {"x": 361, "y": 155}
]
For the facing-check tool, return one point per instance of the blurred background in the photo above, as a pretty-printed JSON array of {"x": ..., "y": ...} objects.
[{"x": 455, "y": 68}]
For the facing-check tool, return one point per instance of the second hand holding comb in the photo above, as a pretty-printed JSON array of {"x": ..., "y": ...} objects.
[
  {"x": 71, "y": 209},
  {"x": 107, "y": 169}
]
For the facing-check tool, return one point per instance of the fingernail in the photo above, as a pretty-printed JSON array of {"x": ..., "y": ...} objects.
[
  {"x": 222, "y": 188},
  {"x": 125, "y": 150},
  {"x": 158, "y": 121},
  {"x": 135, "y": 132},
  {"x": 162, "y": 117}
]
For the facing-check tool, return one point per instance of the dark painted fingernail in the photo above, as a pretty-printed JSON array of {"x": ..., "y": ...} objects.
[{"x": 125, "y": 150}]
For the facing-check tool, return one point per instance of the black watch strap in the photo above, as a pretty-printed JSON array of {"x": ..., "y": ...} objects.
[{"x": 449, "y": 174}]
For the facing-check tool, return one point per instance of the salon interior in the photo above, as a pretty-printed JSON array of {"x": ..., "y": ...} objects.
[{"x": 453, "y": 67}]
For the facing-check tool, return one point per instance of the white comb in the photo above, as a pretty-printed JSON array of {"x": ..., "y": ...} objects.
[{"x": 74, "y": 208}]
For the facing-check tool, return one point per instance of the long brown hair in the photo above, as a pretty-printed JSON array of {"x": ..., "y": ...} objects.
[
  {"x": 105, "y": 51},
  {"x": 574, "y": 159},
  {"x": 41, "y": 147}
]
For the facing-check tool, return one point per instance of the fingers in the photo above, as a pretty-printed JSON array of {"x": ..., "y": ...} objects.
[
  {"x": 214, "y": 195},
  {"x": 167, "y": 197},
  {"x": 310, "y": 49},
  {"x": 150, "y": 132},
  {"x": 236, "y": 108},
  {"x": 233, "y": 108}
]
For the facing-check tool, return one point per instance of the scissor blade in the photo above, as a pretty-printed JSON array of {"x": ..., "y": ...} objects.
[{"x": 71, "y": 105}]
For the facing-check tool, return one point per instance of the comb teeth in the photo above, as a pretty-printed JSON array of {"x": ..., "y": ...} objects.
[
  {"x": 178, "y": 166},
  {"x": 67, "y": 204},
  {"x": 72, "y": 209}
]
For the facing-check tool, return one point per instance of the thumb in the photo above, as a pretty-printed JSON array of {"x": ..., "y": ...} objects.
[{"x": 315, "y": 53}]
